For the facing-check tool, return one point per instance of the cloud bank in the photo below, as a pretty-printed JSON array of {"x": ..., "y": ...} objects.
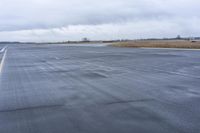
[{"x": 59, "y": 20}]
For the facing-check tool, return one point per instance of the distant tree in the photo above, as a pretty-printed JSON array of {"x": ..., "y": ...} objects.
[
  {"x": 178, "y": 37},
  {"x": 85, "y": 39}
]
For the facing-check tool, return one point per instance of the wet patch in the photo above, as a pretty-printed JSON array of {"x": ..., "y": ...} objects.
[
  {"x": 94, "y": 75},
  {"x": 168, "y": 55},
  {"x": 175, "y": 89}
]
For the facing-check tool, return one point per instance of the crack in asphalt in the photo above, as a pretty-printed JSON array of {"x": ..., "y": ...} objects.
[
  {"x": 31, "y": 108},
  {"x": 129, "y": 101}
]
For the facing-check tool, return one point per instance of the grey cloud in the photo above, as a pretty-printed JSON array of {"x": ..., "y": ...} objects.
[
  {"x": 33, "y": 14},
  {"x": 20, "y": 15}
]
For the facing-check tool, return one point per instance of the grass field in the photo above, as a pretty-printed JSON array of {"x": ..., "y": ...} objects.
[{"x": 160, "y": 44}]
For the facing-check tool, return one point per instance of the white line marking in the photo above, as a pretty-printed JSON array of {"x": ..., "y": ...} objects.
[
  {"x": 3, "y": 49},
  {"x": 3, "y": 59}
]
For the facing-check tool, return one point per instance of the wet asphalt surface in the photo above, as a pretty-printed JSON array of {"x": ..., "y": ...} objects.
[{"x": 64, "y": 89}]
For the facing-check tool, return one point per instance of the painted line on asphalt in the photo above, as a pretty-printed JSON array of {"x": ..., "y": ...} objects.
[
  {"x": 3, "y": 59},
  {"x": 3, "y": 49}
]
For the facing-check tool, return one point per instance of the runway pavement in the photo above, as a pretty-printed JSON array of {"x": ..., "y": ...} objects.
[{"x": 103, "y": 89}]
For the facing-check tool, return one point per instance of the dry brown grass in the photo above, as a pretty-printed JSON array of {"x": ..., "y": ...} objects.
[{"x": 160, "y": 44}]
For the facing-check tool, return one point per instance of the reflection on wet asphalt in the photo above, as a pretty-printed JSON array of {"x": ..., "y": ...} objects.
[{"x": 84, "y": 89}]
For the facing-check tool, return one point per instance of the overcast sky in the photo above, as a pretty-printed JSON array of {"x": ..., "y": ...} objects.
[{"x": 60, "y": 20}]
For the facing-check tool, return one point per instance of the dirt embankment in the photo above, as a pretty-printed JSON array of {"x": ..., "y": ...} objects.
[{"x": 160, "y": 44}]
